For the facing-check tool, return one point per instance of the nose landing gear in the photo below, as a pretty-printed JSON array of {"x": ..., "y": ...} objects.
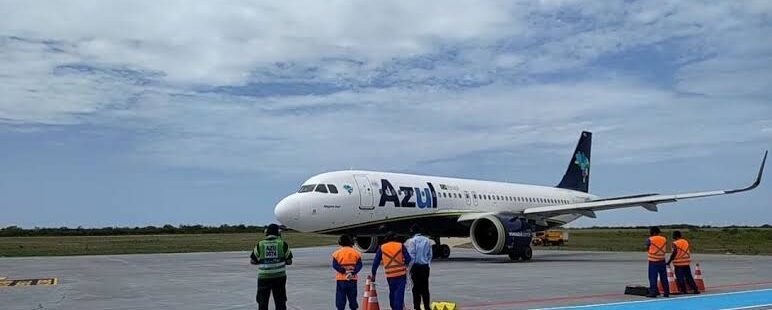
[{"x": 440, "y": 250}]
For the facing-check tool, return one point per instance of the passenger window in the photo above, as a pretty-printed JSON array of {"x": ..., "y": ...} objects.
[
  {"x": 321, "y": 188},
  {"x": 333, "y": 189},
  {"x": 306, "y": 188}
]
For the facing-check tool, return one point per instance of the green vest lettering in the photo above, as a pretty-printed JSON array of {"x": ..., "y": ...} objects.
[{"x": 271, "y": 258}]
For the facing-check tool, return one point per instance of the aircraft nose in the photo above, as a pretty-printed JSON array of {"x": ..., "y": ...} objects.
[{"x": 287, "y": 211}]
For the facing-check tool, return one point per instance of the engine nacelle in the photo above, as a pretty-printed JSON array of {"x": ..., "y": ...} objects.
[
  {"x": 366, "y": 244},
  {"x": 493, "y": 234}
]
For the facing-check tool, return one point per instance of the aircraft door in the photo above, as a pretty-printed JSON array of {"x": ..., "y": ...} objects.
[
  {"x": 474, "y": 198},
  {"x": 366, "y": 196},
  {"x": 468, "y": 198}
]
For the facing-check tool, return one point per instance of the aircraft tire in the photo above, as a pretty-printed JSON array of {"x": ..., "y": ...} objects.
[
  {"x": 514, "y": 255},
  {"x": 444, "y": 251},
  {"x": 527, "y": 253}
]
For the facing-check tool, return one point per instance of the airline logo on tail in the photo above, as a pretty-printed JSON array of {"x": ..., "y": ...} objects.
[{"x": 584, "y": 164}]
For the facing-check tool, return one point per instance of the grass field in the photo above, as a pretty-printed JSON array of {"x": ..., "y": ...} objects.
[
  {"x": 754, "y": 241},
  {"x": 134, "y": 244}
]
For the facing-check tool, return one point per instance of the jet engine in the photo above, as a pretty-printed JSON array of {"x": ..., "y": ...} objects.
[
  {"x": 366, "y": 244},
  {"x": 495, "y": 234}
]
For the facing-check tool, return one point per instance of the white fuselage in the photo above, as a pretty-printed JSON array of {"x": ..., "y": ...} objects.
[{"x": 366, "y": 197}]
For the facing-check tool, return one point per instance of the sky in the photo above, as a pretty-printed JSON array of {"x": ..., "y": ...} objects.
[{"x": 123, "y": 113}]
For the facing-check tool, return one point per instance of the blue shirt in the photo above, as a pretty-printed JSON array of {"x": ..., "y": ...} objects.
[{"x": 420, "y": 249}]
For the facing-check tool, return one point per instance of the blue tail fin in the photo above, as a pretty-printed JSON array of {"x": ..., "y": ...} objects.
[{"x": 577, "y": 175}]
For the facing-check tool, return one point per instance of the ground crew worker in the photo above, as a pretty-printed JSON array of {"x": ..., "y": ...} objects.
[
  {"x": 656, "y": 245},
  {"x": 681, "y": 258},
  {"x": 395, "y": 259},
  {"x": 271, "y": 255},
  {"x": 347, "y": 262},
  {"x": 420, "y": 249}
]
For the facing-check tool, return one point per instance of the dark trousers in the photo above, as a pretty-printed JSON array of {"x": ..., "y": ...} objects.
[
  {"x": 658, "y": 268},
  {"x": 277, "y": 286},
  {"x": 684, "y": 277},
  {"x": 397, "y": 292},
  {"x": 420, "y": 276},
  {"x": 346, "y": 290}
]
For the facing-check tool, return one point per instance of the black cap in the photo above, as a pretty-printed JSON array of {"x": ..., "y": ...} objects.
[
  {"x": 415, "y": 229},
  {"x": 272, "y": 230},
  {"x": 345, "y": 240},
  {"x": 391, "y": 236},
  {"x": 654, "y": 230},
  {"x": 677, "y": 234}
]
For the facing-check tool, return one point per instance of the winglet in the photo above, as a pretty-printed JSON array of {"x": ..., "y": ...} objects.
[{"x": 758, "y": 177}]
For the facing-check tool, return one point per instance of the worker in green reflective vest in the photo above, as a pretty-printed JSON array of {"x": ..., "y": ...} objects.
[{"x": 271, "y": 255}]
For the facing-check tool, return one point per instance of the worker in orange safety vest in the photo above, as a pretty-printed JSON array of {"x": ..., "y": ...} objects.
[
  {"x": 656, "y": 248},
  {"x": 395, "y": 259},
  {"x": 681, "y": 259},
  {"x": 347, "y": 263}
]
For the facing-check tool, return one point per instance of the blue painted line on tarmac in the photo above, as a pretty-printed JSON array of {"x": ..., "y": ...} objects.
[{"x": 722, "y": 301}]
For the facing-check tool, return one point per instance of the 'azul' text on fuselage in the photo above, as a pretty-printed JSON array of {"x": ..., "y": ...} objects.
[{"x": 425, "y": 198}]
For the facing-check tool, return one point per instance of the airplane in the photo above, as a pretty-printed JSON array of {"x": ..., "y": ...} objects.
[{"x": 498, "y": 217}]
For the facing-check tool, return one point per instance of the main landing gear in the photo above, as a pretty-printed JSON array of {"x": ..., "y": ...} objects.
[
  {"x": 440, "y": 250},
  {"x": 524, "y": 253}
]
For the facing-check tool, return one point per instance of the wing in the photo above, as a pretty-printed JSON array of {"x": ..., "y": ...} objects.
[{"x": 647, "y": 201}]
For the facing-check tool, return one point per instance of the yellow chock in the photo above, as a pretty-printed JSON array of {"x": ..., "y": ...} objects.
[{"x": 444, "y": 305}]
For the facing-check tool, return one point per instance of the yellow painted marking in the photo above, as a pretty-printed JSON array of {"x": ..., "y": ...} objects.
[{"x": 28, "y": 282}]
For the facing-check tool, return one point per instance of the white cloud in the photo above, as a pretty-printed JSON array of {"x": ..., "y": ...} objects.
[
  {"x": 221, "y": 42},
  {"x": 412, "y": 77}
]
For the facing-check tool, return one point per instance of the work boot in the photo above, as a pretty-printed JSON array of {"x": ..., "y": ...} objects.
[{"x": 651, "y": 295}]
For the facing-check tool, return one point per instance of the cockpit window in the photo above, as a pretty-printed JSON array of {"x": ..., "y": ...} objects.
[
  {"x": 321, "y": 188},
  {"x": 306, "y": 188},
  {"x": 333, "y": 189}
]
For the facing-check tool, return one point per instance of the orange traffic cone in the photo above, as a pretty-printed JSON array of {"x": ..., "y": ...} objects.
[
  {"x": 698, "y": 278},
  {"x": 366, "y": 299},
  {"x": 671, "y": 282},
  {"x": 372, "y": 303},
  {"x": 672, "y": 286}
]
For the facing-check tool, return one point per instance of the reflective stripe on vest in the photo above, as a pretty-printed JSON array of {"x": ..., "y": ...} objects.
[
  {"x": 657, "y": 248},
  {"x": 347, "y": 258},
  {"x": 270, "y": 258},
  {"x": 393, "y": 260},
  {"x": 684, "y": 254}
]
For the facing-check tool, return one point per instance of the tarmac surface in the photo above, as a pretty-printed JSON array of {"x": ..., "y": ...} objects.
[{"x": 226, "y": 280}]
